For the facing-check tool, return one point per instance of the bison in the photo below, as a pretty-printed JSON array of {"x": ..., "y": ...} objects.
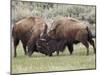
[
  {"x": 71, "y": 31},
  {"x": 28, "y": 30}
]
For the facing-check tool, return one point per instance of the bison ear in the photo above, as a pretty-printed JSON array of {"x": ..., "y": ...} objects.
[{"x": 45, "y": 29}]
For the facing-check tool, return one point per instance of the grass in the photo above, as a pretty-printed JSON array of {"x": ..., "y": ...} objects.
[{"x": 41, "y": 63}]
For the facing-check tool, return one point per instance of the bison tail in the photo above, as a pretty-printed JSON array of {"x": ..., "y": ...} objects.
[
  {"x": 93, "y": 35},
  {"x": 12, "y": 31},
  {"x": 90, "y": 35}
]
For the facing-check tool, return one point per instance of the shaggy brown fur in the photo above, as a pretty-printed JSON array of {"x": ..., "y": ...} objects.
[
  {"x": 28, "y": 30},
  {"x": 73, "y": 31}
]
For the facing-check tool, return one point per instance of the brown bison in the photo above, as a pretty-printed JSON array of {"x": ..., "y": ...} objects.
[
  {"x": 70, "y": 31},
  {"x": 28, "y": 30}
]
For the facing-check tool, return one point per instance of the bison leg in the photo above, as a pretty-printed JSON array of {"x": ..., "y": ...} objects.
[
  {"x": 70, "y": 48},
  {"x": 30, "y": 51},
  {"x": 92, "y": 43},
  {"x": 57, "y": 52},
  {"x": 24, "y": 46},
  {"x": 16, "y": 41},
  {"x": 46, "y": 54},
  {"x": 50, "y": 54},
  {"x": 31, "y": 48},
  {"x": 85, "y": 43}
]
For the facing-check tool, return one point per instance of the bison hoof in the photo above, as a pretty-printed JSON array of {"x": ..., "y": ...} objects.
[
  {"x": 50, "y": 55},
  {"x": 70, "y": 53},
  {"x": 25, "y": 53},
  {"x": 87, "y": 54},
  {"x": 29, "y": 54},
  {"x": 14, "y": 56},
  {"x": 46, "y": 54}
]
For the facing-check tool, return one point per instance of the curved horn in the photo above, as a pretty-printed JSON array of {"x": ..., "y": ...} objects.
[
  {"x": 44, "y": 31},
  {"x": 43, "y": 39}
]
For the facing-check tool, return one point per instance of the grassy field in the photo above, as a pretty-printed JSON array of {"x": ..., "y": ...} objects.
[
  {"x": 49, "y": 12},
  {"x": 41, "y": 63}
]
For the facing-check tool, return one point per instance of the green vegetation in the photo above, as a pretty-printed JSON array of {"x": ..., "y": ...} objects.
[
  {"x": 52, "y": 11},
  {"x": 49, "y": 11},
  {"x": 41, "y": 63}
]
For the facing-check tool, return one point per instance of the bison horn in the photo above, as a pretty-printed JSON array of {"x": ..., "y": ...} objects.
[{"x": 43, "y": 39}]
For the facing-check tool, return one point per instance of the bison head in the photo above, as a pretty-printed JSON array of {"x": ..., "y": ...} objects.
[{"x": 46, "y": 45}]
